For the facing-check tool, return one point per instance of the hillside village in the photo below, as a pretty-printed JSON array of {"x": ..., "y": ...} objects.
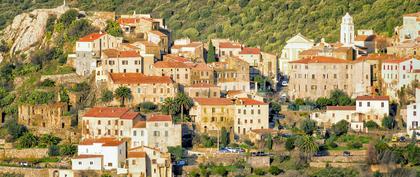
[{"x": 106, "y": 94}]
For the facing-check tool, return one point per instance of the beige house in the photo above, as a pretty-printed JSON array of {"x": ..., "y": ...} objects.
[
  {"x": 202, "y": 73},
  {"x": 203, "y": 90},
  {"x": 232, "y": 74},
  {"x": 145, "y": 161},
  {"x": 180, "y": 72},
  {"x": 146, "y": 47},
  {"x": 249, "y": 115},
  {"x": 48, "y": 116},
  {"x": 137, "y": 26},
  {"x": 211, "y": 114},
  {"x": 109, "y": 122},
  {"x": 120, "y": 61},
  {"x": 188, "y": 49},
  {"x": 229, "y": 49},
  {"x": 160, "y": 39},
  {"x": 317, "y": 76},
  {"x": 143, "y": 88}
]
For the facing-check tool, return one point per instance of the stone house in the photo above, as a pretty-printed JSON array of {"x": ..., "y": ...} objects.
[
  {"x": 144, "y": 88},
  {"x": 249, "y": 115},
  {"x": 232, "y": 74},
  {"x": 138, "y": 26},
  {"x": 188, "y": 49},
  {"x": 147, "y": 161},
  {"x": 179, "y": 72},
  {"x": 202, "y": 73},
  {"x": 290, "y": 52},
  {"x": 229, "y": 49},
  {"x": 47, "y": 116},
  {"x": 317, "y": 76},
  {"x": 160, "y": 39},
  {"x": 149, "y": 48},
  {"x": 203, "y": 90},
  {"x": 413, "y": 116}
]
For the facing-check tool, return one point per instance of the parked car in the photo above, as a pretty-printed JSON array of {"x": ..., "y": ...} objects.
[
  {"x": 223, "y": 150},
  {"x": 346, "y": 153},
  {"x": 259, "y": 153},
  {"x": 181, "y": 162},
  {"x": 284, "y": 83},
  {"x": 25, "y": 164},
  {"x": 402, "y": 139},
  {"x": 394, "y": 139},
  {"x": 321, "y": 153}
]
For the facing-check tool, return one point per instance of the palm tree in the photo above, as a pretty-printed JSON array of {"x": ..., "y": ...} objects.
[
  {"x": 307, "y": 145},
  {"x": 183, "y": 102},
  {"x": 123, "y": 93},
  {"x": 169, "y": 106}
]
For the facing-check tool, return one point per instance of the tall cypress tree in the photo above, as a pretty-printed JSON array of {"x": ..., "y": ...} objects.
[{"x": 211, "y": 54}]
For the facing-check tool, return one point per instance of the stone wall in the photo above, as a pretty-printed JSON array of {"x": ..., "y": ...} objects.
[
  {"x": 335, "y": 165},
  {"x": 64, "y": 78},
  {"x": 27, "y": 172},
  {"x": 259, "y": 162},
  {"x": 24, "y": 153},
  {"x": 352, "y": 152}
]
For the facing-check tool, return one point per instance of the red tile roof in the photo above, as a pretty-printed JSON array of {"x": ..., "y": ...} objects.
[
  {"x": 114, "y": 53},
  {"x": 417, "y": 14},
  {"x": 376, "y": 57},
  {"x": 213, "y": 101},
  {"x": 91, "y": 37},
  {"x": 140, "y": 124},
  {"x": 160, "y": 118},
  {"x": 372, "y": 98},
  {"x": 127, "y": 20},
  {"x": 106, "y": 112},
  {"x": 310, "y": 52},
  {"x": 170, "y": 64},
  {"x": 155, "y": 32},
  {"x": 365, "y": 38},
  {"x": 395, "y": 60},
  {"x": 202, "y": 67},
  {"x": 234, "y": 92},
  {"x": 341, "y": 108},
  {"x": 136, "y": 155},
  {"x": 88, "y": 156},
  {"x": 229, "y": 45},
  {"x": 249, "y": 101},
  {"x": 175, "y": 58},
  {"x": 103, "y": 141},
  {"x": 320, "y": 59},
  {"x": 250, "y": 51},
  {"x": 137, "y": 78}
]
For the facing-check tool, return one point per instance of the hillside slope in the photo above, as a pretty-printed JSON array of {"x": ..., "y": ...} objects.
[{"x": 265, "y": 23}]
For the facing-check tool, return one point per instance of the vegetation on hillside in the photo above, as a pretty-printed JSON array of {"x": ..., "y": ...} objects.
[{"x": 255, "y": 22}]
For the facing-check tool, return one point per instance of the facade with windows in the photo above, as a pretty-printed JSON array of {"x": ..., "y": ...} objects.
[
  {"x": 399, "y": 73},
  {"x": 413, "y": 116},
  {"x": 250, "y": 115}
]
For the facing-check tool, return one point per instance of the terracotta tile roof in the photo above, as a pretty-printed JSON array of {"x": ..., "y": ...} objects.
[
  {"x": 342, "y": 49},
  {"x": 174, "y": 57},
  {"x": 160, "y": 118},
  {"x": 213, "y": 101},
  {"x": 204, "y": 85},
  {"x": 372, "y": 98},
  {"x": 114, "y": 53},
  {"x": 417, "y": 14},
  {"x": 229, "y": 45},
  {"x": 365, "y": 38},
  {"x": 140, "y": 124},
  {"x": 234, "y": 92},
  {"x": 137, "y": 78},
  {"x": 136, "y": 155},
  {"x": 111, "y": 112},
  {"x": 91, "y": 37},
  {"x": 250, "y": 51},
  {"x": 202, "y": 67},
  {"x": 103, "y": 141},
  {"x": 376, "y": 57},
  {"x": 249, "y": 101},
  {"x": 128, "y": 20},
  {"x": 310, "y": 52},
  {"x": 395, "y": 60},
  {"x": 88, "y": 156},
  {"x": 158, "y": 33},
  {"x": 341, "y": 108},
  {"x": 145, "y": 43},
  {"x": 320, "y": 59},
  {"x": 170, "y": 64}
]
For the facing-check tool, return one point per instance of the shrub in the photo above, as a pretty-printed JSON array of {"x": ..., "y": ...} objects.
[
  {"x": 259, "y": 171},
  {"x": 28, "y": 140},
  {"x": 340, "y": 128},
  {"x": 68, "y": 149},
  {"x": 146, "y": 107},
  {"x": 355, "y": 145},
  {"x": 275, "y": 170},
  {"x": 371, "y": 124},
  {"x": 290, "y": 144},
  {"x": 388, "y": 122},
  {"x": 14, "y": 129},
  {"x": 308, "y": 126},
  {"x": 53, "y": 150}
]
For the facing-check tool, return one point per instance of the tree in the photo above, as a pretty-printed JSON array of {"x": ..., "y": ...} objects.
[
  {"x": 290, "y": 144},
  {"x": 123, "y": 93},
  {"x": 322, "y": 102},
  {"x": 340, "y": 128},
  {"x": 388, "y": 122},
  {"x": 372, "y": 124},
  {"x": 53, "y": 150},
  {"x": 68, "y": 17},
  {"x": 14, "y": 129},
  {"x": 274, "y": 170},
  {"x": 47, "y": 83},
  {"x": 28, "y": 140},
  {"x": 259, "y": 172},
  {"x": 243, "y": 3},
  {"x": 275, "y": 108},
  {"x": 211, "y": 54},
  {"x": 224, "y": 137},
  {"x": 106, "y": 175},
  {"x": 48, "y": 140},
  {"x": 146, "y": 106},
  {"x": 414, "y": 137},
  {"x": 113, "y": 28},
  {"x": 177, "y": 152},
  {"x": 338, "y": 97},
  {"x": 107, "y": 96},
  {"x": 183, "y": 102},
  {"x": 68, "y": 149},
  {"x": 306, "y": 145},
  {"x": 299, "y": 102},
  {"x": 169, "y": 106},
  {"x": 269, "y": 142},
  {"x": 308, "y": 126}
]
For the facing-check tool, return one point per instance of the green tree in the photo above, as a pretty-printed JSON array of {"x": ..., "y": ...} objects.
[
  {"x": 184, "y": 103},
  {"x": 299, "y": 102},
  {"x": 68, "y": 17},
  {"x": 106, "y": 175},
  {"x": 48, "y": 140},
  {"x": 113, "y": 28},
  {"x": 290, "y": 143},
  {"x": 211, "y": 54},
  {"x": 269, "y": 142},
  {"x": 340, "y": 128},
  {"x": 68, "y": 149},
  {"x": 224, "y": 137},
  {"x": 322, "y": 102},
  {"x": 388, "y": 122},
  {"x": 169, "y": 106},
  {"x": 339, "y": 97},
  {"x": 259, "y": 172},
  {"x": 306, "y": 145},
  {"x": 47, "y": 83},
  {"x": 274, "y": 170},
  {"x": 123, "y": 93},
  {"x": 53, "y": 150},
  {"x": 308, "y": 126},
  {"x": 27, "y": 140},
  {"x": 372, "y": 124},
  {"x": 243, "y": 3},
  {"x": 177, "y": 152},
  {"x": 220, "y": 170},
  {"x": 14, "y": 129},
  {"x": 107, "y": 96},
  {"x": 146, "y": 106},
  {"x": 64, "y": 97}
]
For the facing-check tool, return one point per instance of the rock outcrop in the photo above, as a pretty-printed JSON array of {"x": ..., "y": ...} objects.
[{"x": 28, "y": 29}]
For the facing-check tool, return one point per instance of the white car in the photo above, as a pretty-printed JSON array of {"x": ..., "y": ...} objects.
[{"x": 284, "y": 83}]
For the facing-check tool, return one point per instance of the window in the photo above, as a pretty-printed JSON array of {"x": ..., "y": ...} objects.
[
  {"x": 80, "y": 163},
  {"x": 166, "y": 133},
  {"x": 239, "y": 111},
  {"x": 382, "y": 104},
  {"x": 99, "y": 122},
  {"x": 360, "y": 104},
  {"x": 124, "y": 62},
  {"x": 259, "y": 111},
  {"x": 99, "y": 131},
  {"x": 91, "y": 163},
  {"x": 122, "y": 123},
  {"x": 368, "y": 104},
  {"x": 156, "y": 133},
  {"x": 109, "y": 122},
  {"x": 109, "y": 164},
  {"x": 252, "y": 111},
  {"x": 134, "y": 133},
  {"x": 133, "y": 162}
]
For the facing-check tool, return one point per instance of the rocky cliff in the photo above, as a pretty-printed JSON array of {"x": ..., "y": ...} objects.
[{"x": 27, "y": 29}]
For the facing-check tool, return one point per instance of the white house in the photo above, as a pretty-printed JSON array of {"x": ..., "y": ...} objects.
[
  {"x": 413, "y": 116},
  {"x": 102, "y": 153},
  {"x": 291, "y": 50},
  {"x": 374, "y": 107},
  {"x": 399, "y": 73},
  {"x": 410, "y": 28}
]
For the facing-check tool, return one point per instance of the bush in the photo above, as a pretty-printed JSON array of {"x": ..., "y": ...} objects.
[
  {"x": 220, "y": 171},
  {"x": 146, "y": 107},
  {"x": 53, "y": 150},
  {"x": 290, "y": 144},
  {"x": 388, "y": 122},
  {"x": 68, "y": 17},
  {"x": 308, "y": 126},
  {"x": 340, "y": 128},
  {"x": 68, "y": 149},
  {"x": 107, "y": 96},
  {"x": 47, "y": 83},
  {"x": 259, "y": 172},
  {"x": 28, "y": 140},
  {"x": 176, "y": 152},
  {"x": 355, "y": 145},
  {"x": 275, "y": 170},
  {"x": 48, "y": 140},
  {"x": 371, "y": 125},
  {"x": 14, "y": 129}
]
